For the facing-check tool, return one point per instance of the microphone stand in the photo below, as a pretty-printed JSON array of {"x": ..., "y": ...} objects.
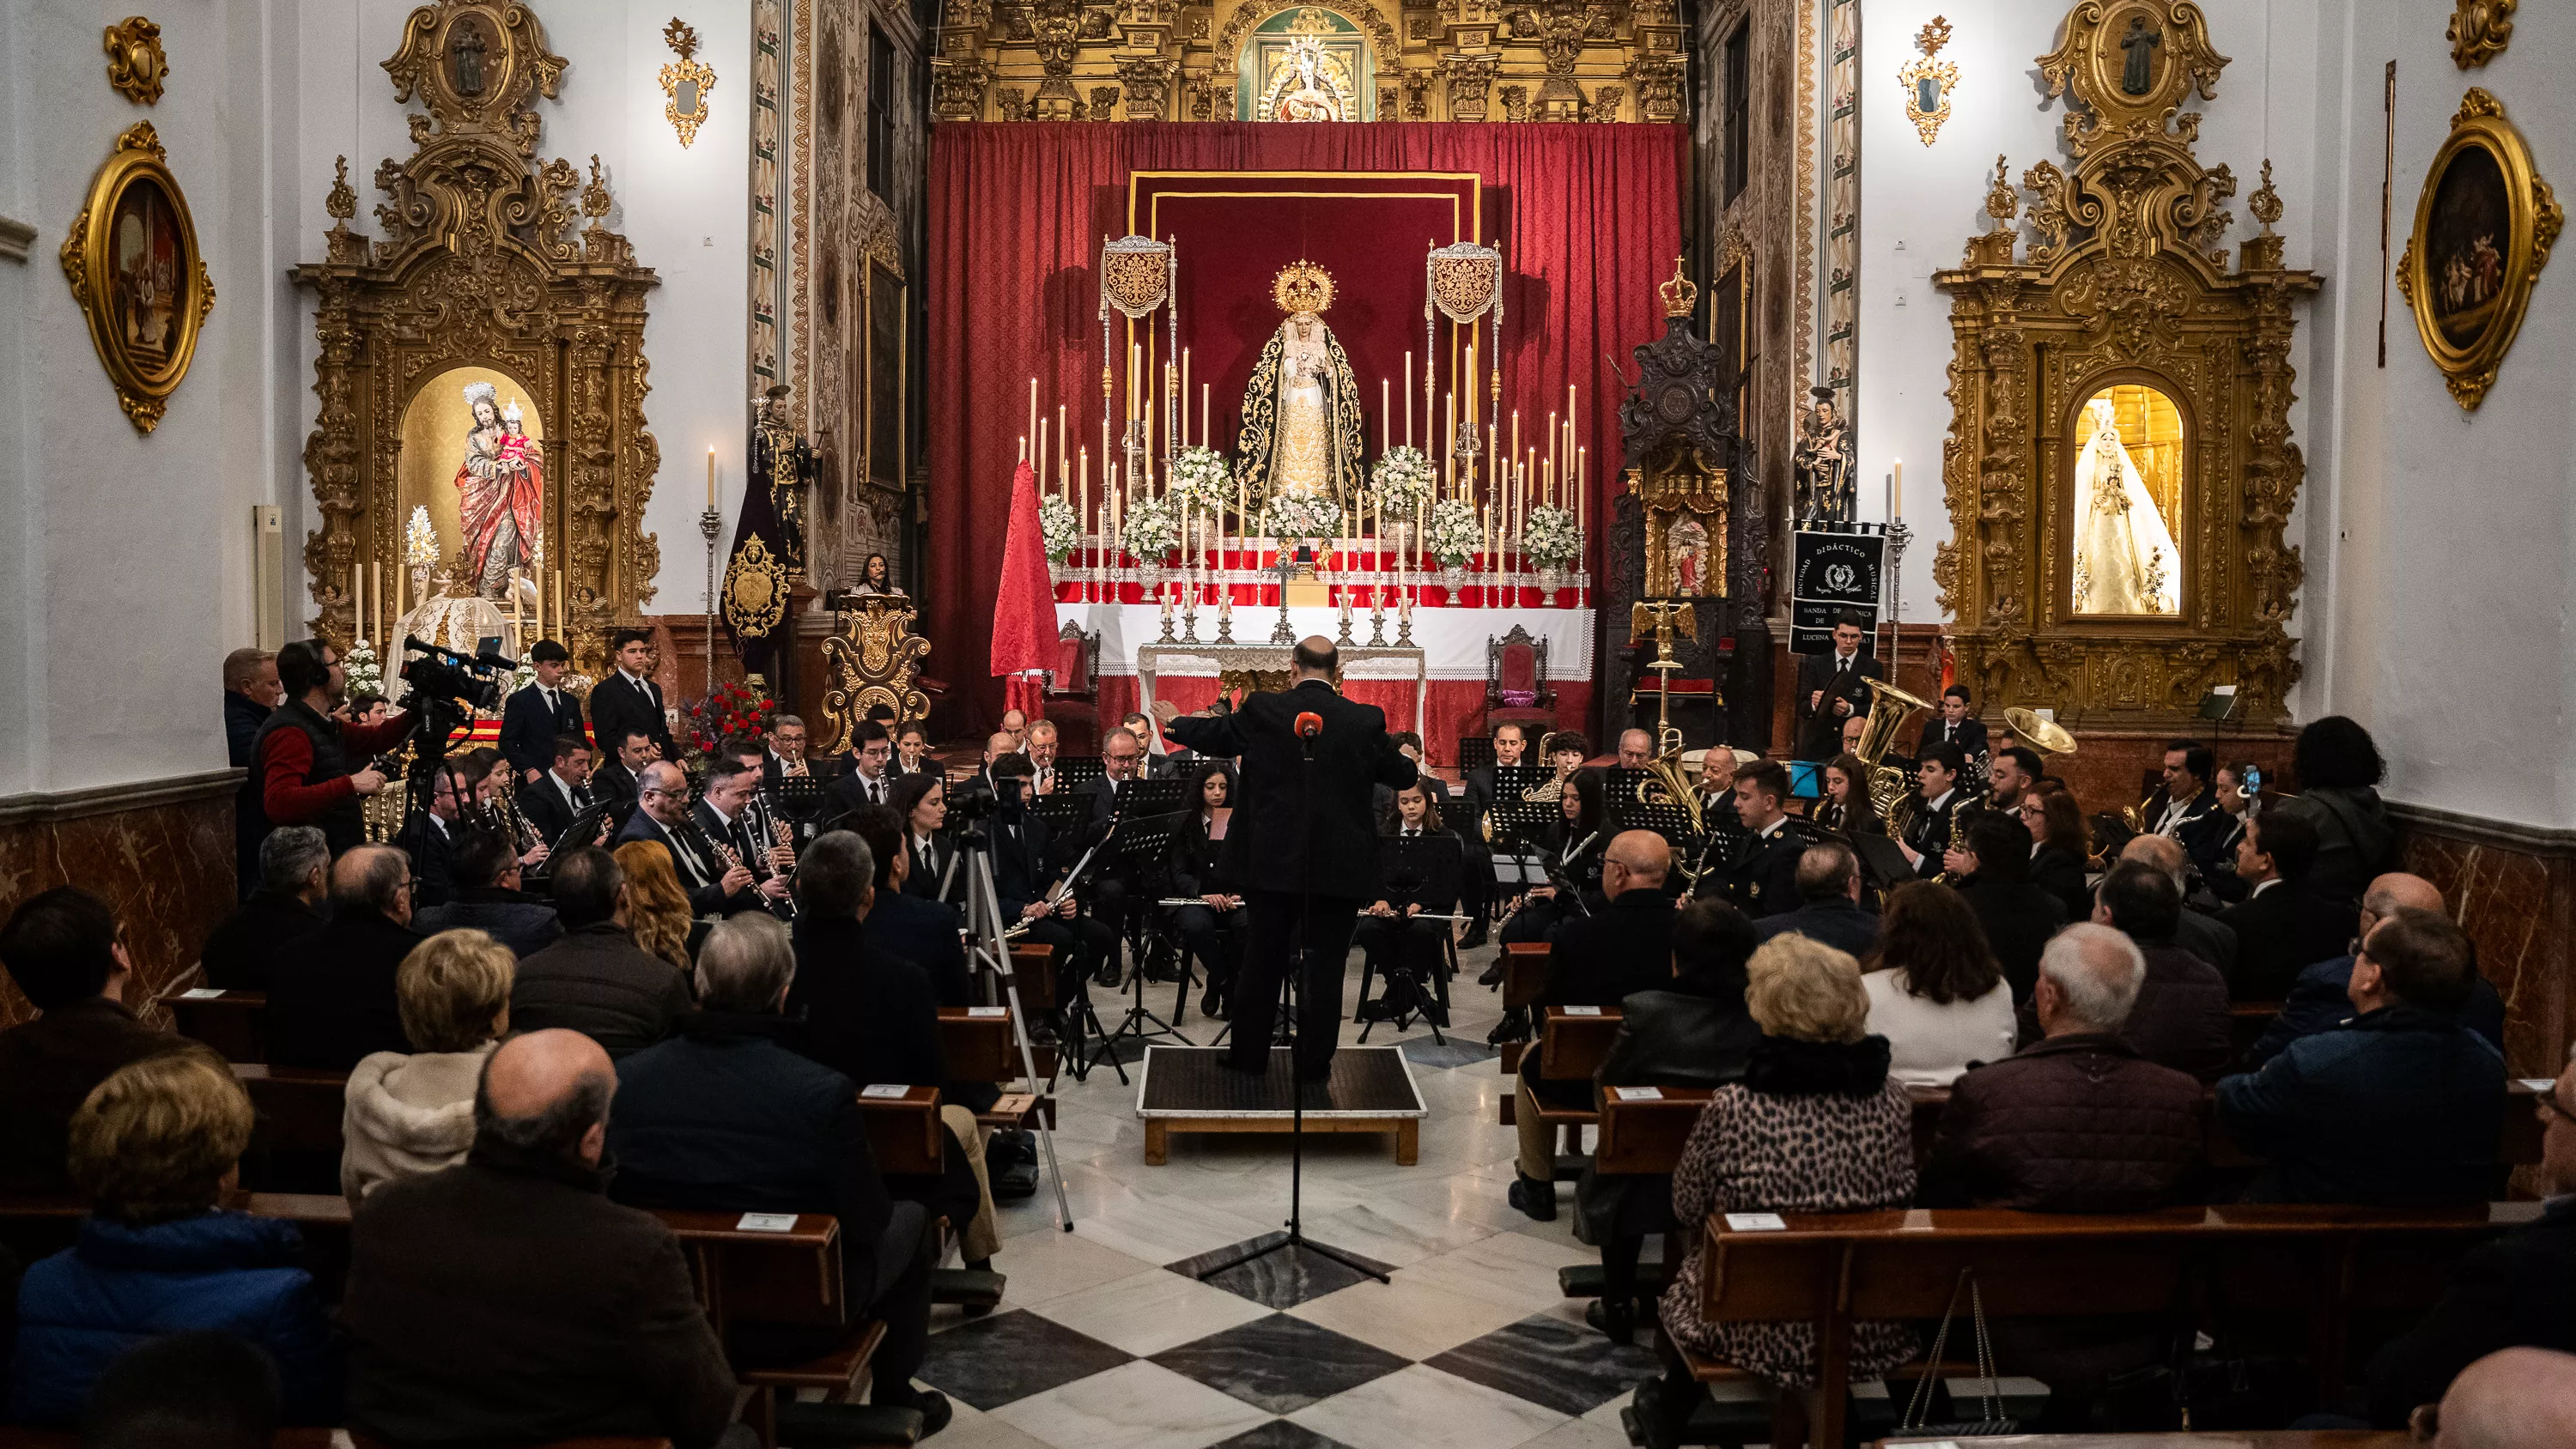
[{"x": 1295, "y": 995}]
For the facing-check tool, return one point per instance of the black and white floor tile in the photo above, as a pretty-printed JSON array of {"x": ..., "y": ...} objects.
[{"x": 1108, "y": 1339}]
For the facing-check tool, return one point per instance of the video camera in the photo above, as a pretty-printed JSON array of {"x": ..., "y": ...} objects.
[{"x": 437, "y": 674}]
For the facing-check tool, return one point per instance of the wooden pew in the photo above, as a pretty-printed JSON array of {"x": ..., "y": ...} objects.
[
  {"x": 1573, "y": 1041},
  {"x": 297, "y": 1144},
  {"x": 904, "y": 1131},
  {"x": 2246, "y": 1021},
  {"x": 1835, "y": 1270},
  {"x": 234, "y": 1023},
  {"x": 980, "y": 1044}
]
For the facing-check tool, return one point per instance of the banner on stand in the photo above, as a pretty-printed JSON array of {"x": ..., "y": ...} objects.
[{"x": 1831, "y": 573}]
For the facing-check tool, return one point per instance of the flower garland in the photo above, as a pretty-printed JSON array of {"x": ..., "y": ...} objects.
[
  {"x": 1403, "y": 479},
  {"x": 1149, "y": 532},
  {"x": 1454, "y": 534},
  {"x": 1302, "y": 517},
  {"x": 1061, "y": 531},
  {"x": 363, "y": 671},
  {"x": 1201, "y": 479},
  {"x": 728, "y": 711},
  {"x": 1550, "y": 537}
]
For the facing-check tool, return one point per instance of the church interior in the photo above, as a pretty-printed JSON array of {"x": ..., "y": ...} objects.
[{"x": 1795, "y": 665}]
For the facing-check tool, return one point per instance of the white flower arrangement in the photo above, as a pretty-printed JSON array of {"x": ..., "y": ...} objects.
[
  {"x": 1302, "y": 517},
  {"x": 1061, "y": 531},
  {"x": 1455, "y": 533},
  {"x": 363, "y": 671},
  {"x": 1550, "y": 537},
  {"x": 1403, "y": 479},
  {"x": 420, "y": 539},
  {"x": 1201, "y": 479},
  {"x": 1149, "y": 532}
]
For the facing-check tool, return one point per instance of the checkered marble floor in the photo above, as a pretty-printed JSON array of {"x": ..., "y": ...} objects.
[{"x": 1107, "y": 1336}]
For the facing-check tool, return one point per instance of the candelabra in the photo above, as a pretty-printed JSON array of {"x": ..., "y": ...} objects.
[
  {"x": 710, "y": 523},
  {"x": 1377, "y": 615},
  {"x": 1898, "y": 535},
  {"x": 1285, "y": 565}
]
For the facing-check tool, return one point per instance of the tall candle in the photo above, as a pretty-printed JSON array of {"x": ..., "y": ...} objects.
[
  {"x": 1408, "y": 397},
  {"x": 559, "y": 602},
  {"x": 376, "y": 596},
  {"x": 1470, "y": 375},
  {"x": 1185, "y": 403},
  {"x": 1063, "y": 440},
  {"x": 1896, "y": 493},
  {"x": 1579, "y": 509},
  {"x": 535, "y": 578},
  {"x": 1516, "y": 432},
  {"x": 711, "y": 480},
  {"x": 1206, "y": 430},
  {"x": 1385, "y": 414},
  {"x": 1033, "y": 413},
  {"x": 357, "y": 600}
]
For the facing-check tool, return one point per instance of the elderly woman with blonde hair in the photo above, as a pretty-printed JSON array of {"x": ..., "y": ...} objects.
[
  {"x": 1816, "y": 1126},
  {"x": 412, "y": 1114}
]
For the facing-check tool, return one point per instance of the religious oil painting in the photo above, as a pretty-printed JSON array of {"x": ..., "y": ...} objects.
[
  {"x": 149, "y": 257},
  {"x": 2465, "y": 246},
  {"x": 2484, "y": 225},
  {"x": 2130, "y": 457},
  {"x": 132, "y": 260},
  {"x": 474, "y": 455}
]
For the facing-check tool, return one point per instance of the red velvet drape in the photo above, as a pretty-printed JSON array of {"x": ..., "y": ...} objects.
[{"x": 1589, "y": 219}]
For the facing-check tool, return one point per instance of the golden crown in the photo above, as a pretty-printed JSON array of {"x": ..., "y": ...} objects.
[
  {"x": 1303, "y": 287},
  {"x": 1680, "y": 296}
]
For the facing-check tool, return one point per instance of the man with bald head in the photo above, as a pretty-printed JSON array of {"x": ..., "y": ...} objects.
[
  {"x": 507, "y": 1300},
  {"x": 2204, "y": 936},
  {"x": 2318, "y": 1000},
  {"x": 1598, "y": 960},
  {"x": 662, "y": 817},
  {"x": 1636, "y": 749},
  {"x": 331, "y": 993}
]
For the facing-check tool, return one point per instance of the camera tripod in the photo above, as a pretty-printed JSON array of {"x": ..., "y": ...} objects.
[{"x": 984, "y": 925}]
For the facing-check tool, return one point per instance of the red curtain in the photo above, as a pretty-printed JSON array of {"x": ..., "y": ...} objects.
[{"x": 1588, "y": 217}]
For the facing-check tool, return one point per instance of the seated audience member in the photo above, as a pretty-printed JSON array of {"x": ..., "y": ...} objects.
[
  {"x": 1935, "y": 992},
  {"x": 507, "y": 1300},
  {"x": 2318, "y": 1000},
  {"x": 66, "y": 951},
  {"x": 1991, "y": 869},
  {"x": 294, "y": 880},
  {"x": 725, "y": 1117},
  {"x": 2283, "y": 925},
  {"x": 904, "y": 925},
  {"x": 1598, "y": 960},
  {"x": 2510, "y": 1291},
  {"x": 413, "y": 1114},
  {"x": 596, "y": 980},
  {"x": 2338, "y": 767},
  {"x": 202, "y": 1390},
  {"x": 488, "y": 899},
  {"x": 1817, "y": 1125},
  {"x": 2204, "y": 936},
  {"x": 154, "y": 1149},
  {"x": 1692, "y": 1032},
  {"x": 331, "y": 997},
  {"x": 657, "y": 909},
  {"x": 2077, "y": 1122},
  {"x": 2515, "y": 1398},
  {"x": 2180, "y": 1019},
  {"x": 2060, "y": 846},
  {"x": 2399, "y": 1106},
  {"x": 1829, "y": 887},
  {"x": 873, "y": 1017}
]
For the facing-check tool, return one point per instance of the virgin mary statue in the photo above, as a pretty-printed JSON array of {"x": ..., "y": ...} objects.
[
  {"x": 1301, "y": 413},
  {"x": 2125, "y": 559}
]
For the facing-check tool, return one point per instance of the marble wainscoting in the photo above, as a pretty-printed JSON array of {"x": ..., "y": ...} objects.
[
  {"x": 2513, "y": 889},
  {"x": 160, "y": 851}
]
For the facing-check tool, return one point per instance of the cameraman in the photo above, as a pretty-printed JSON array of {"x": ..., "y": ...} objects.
[{"x": 301, "y": 760}]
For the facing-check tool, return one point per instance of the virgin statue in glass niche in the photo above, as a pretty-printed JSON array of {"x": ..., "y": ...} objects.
[
  {"x": 2125, "y": 558},
  {"x": 1302, "y": 430}
]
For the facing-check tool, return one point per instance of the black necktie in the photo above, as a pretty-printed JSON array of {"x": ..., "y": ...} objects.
[{"x": 581, "y": 797}]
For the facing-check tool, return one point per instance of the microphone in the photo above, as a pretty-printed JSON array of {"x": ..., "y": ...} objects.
[{"x": 1309, "y": 725}]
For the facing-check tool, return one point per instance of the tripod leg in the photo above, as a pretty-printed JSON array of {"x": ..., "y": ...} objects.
[{"x": 984, "y": 916}]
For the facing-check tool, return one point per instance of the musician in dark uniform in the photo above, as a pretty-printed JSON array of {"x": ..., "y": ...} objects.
[
  {"x": 1760, "y": 872},
  {"x": 2185, "y": 808},
  {"x": 1025, "y": 870},
  {"x": 1955, "y": 726},
  {"x": 561, "y": 793},
  {"x": 1830, "y": 690},
  {"x": 627, "y": 700},
  {"x": 723, "y": 815},
  {"x": 1572, "y": 844},
  {"x": 1213, "y": 925},
  {"x": 1940, "y": 794},
  {"x": 1405, "y": 949},
  {"x": 622, "y": 759},
  {"x": 1111, "y": 892},
  {"x": 428, "y": 836},
  {"x": 531, "y": 718},
  {"x": 715, "y": 887},
  {"x": 1307, "y": 849}
]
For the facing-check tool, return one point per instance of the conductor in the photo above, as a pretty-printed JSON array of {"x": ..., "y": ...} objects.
[{"x": 1303, "y": 843}]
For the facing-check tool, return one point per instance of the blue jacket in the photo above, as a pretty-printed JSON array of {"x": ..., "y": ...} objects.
[
  {"x": 81, "y": 1309},
  {"x": 2396, "y": 1108},
  {"x": 2318, "y": 1001}
]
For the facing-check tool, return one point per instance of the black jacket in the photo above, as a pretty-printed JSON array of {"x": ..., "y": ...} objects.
[
  {"x": 1759, "y": 874},
  {"x": 849, "y": 792},
  {"x": 236, "y": 956},
  {"x": 528, "y": 729},
  {"x": 1968, "y": 734},
  {"x": 545, "y": 808},
  {"x": 507, "y": 1301},
  {"x": 864, "y": 1013},
  {"x": 47, "y": 1068},
  {"x": 2060, "y": 872},
  {"x": 1602, "y": 959},
  {"x": 516, "y": 919},
  {"x": 724, "y": 1117},
  {"x": 598, "y": 982},
  {"x": 924, "y": 933},
  {"x": 431, "y": 843},
  {"x": 1273, "y": 844},
  {"x": 243, "y": 716},
  {"x": 619, "y": 707},
  {"x": 1928, "y": 831},
  {"x": 2279, "y": 932},
  {"x": 2320, "y": 1000},
  {"x": 1667, "y": 1038},
  {"x": 610, "y": 779},
  {"x": 1837, "y": 921},
  {"x": 929, "y": 868},
  {"x": 2202, "y": 935},
  {"x": 2507, "y": 1293},
  {"x": 2180, "y": 1019},
  {"x": 2397, "y": 1108},
  {"x": 700, "y": 870},
  {"x": 2076, "y": 1123},
  {"x": 1198, "y": 863},
  {"x": 1024, "y": 866},
  {"x": 1820, "y": 730},
  {"x": 2019, "y": 917},
  {"x": 331, "y": 993}
]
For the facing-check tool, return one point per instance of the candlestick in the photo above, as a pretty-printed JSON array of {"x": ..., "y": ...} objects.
[
  {"x": 1063, "y": 439},
  {"x": 711, "y": 480},
  {"x": 1206, "y": 431},
  {"x": 376, "y": 597},
  {"x": 1470, "y": 375}
]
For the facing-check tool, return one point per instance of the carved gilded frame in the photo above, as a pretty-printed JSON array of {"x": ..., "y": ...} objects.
[
  {"x": 481, "y": 264},
  {"x": 1682, "y": 483},
  {"x": 2533, "y": 219},
  {"x": 142, "y": 381},
  {"x": 2122, "y": 282}
]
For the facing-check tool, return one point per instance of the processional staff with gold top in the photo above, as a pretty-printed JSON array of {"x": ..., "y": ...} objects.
[{"x": 1661, "y": 620}]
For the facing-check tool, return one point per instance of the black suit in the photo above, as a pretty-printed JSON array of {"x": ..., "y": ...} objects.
[
  {"x": 1760, "y": 874},
  {"x": 619, "y": 707},
  {"x": 1820, "y": 730},
  {"x": 2281, "y": 930},
  {"x": 528, "y": 728},
  {"x": 701, "y": 873},
  {"x": 2019, "y": 917},
  {"x": 924, "y": 933},
  {"x": 2060, "y": 872},
  {"x": 850, "y": 792},
  {"x": 236, "y": 956},
  {"x": 1837, "y": 921},
  {"x": 432, "y": 844},
  {"x": 1929, "y": 831},
  {"x": 1304, "y": 828},
  {"x": 613, "y": 781},
  {"x": 1601, "y": 960},
  {"x": 748, "y": 846},
  {"x": 331, "y": 994},
  {"x": 544, "y": 806},
  {"x": 2199, "y": 831},
  {"x": 1968, "y": 734}
]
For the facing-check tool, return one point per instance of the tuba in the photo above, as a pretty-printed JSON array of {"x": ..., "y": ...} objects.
[{"x": 1890, "y": 793}]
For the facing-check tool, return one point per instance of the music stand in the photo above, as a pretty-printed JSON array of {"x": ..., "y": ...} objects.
[
  {"x": 1066, "y": 815},
  {"x": 1517, "y": 817},
  {"x": 1075, "y": 773},
  {"x": 1145, "y": 842},
  {"x": 1627, "y": 811},
  {"x": 1427, "y": 869}
]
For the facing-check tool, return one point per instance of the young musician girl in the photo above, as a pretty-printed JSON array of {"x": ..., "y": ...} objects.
[
  {"x": 1400, "y": 948},
  {"x": 1846, "y": 806},
  {"x": 1212, "y": 927},
  {"x": 1573, "y": 842},
  {"x": 922, "y": 802},
  {"x": 912, "y": 749}
]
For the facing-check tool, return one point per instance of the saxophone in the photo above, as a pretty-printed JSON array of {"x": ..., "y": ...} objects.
[{"x": 1958, "y": 839}]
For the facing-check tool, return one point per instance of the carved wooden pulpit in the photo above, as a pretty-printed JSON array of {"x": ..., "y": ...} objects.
[{"x": 868, "y": 661}]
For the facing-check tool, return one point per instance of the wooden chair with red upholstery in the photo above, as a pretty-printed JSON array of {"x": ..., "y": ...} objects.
[
  {"x": 1073, "y": 688},
  {"x": 1516, "y": 687}
]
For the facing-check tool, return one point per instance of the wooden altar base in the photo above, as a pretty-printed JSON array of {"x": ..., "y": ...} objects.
[{"x": 1185, "y": 1089}]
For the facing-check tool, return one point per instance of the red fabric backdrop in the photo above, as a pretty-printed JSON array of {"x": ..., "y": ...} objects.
[{"x": 1588, "y": 217}]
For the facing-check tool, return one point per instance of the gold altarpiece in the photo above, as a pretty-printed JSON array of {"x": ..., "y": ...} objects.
[
  {"x": 2120, "y": 333},
  {"x": 484, "y": 263}
]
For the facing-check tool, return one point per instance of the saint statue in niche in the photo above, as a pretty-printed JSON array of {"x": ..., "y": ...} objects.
[
  {"x": 1302, "y": 431},
  {"x": 2125, "y": 558},
  {"x": 1687, "y": 542},
  {"x": 1823, "y": 474},
  {"x": 465, "y": 49},
  {"x": 2137, "y": 74},
  {"x": 500, "y": 492},
  {"x": 1306, "y": 85}
]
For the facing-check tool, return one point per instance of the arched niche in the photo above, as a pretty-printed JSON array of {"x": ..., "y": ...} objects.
[{"x": 1308, "y": 63}]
